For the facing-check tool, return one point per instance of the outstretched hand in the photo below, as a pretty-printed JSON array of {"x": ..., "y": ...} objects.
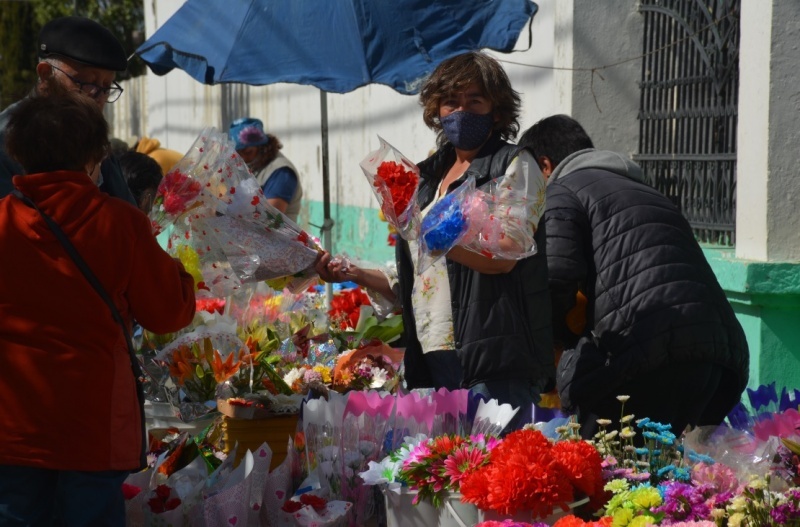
[{"x": 334, "y": 269}]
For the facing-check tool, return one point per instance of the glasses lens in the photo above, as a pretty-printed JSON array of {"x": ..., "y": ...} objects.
[
  {"x": 114, "y": 93},
  {"x": 91, "y": 90}
]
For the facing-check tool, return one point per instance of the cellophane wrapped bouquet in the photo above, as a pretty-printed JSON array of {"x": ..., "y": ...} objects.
[
  {"x": 497, "y": 219},
  {"x": 218, "y": 209},
  {"x": 445, "y": 225},
  {"x": 394, "y": 180}
]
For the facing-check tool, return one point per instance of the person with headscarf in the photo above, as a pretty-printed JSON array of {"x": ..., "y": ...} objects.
[{"x": 276, "y": 175}]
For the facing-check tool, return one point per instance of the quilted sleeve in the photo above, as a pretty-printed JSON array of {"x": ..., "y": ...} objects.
[{"x": 568, "y": 254}]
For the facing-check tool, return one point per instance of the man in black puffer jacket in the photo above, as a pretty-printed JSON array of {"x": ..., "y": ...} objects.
[{"x": 658, "y": 325}]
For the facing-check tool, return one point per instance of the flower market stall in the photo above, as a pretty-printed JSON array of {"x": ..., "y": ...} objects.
[{"x": 271, "y": 410}]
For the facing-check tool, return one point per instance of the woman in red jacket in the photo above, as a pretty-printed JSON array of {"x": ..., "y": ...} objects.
[{"x": 70, "y": 414}]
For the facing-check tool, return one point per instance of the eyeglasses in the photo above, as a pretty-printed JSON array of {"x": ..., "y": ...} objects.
[{"x": 98, "y": 93}]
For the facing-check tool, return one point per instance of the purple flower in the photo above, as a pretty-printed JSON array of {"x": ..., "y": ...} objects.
[{"x": 683, "y": 502}]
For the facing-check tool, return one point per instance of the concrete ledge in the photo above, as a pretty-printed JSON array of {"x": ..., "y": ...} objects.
[{"x": 756, "y": 279}]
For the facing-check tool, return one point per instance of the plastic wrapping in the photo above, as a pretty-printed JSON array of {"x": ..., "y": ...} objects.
[
  {"x": 444, "y": 225},
  {"x": 219, "y": 212},
  {"x": 394, "y": 180}
]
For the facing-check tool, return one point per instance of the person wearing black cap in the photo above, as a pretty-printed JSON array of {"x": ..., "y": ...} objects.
[{"x": 81, "y": 55}]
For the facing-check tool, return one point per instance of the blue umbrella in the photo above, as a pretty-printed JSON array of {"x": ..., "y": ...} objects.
[{"x": 335, "y": 45}]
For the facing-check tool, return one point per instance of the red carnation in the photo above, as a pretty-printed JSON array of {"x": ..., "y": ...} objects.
[
  {"x": 177, "y": 191},
  {"x": 291, "y": 506},
  {"x": 401, "y": 185}
]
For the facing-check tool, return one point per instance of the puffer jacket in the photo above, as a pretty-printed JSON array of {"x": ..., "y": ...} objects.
[
  {"x": 502, "y": 321},
  {"x": 653, "y": 299}
]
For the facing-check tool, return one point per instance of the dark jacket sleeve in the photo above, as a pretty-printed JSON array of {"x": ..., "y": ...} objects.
[
  {"x": 114, "y": 183},
  {"x": 568, "y": 248}
]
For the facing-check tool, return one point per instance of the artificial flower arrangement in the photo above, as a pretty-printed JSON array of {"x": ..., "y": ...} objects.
[
  {"x": 733, "y": 475},
  {"x": 523, "y": 472},
  {"x": 372, "y": 366},
  {"x": 529, "y": 473},
  {"x": 395, "y": 180},
  {"x": 439, "y": 465}
]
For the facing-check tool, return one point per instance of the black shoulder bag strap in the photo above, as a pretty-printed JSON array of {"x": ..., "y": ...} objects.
[{"x": 95, "y": 283}]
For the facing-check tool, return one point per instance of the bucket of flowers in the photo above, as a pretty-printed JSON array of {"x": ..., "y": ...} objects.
[{"x": 421, "y": 480}]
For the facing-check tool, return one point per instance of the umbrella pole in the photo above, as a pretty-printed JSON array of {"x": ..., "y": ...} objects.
[{"x": 327, "y": 222}]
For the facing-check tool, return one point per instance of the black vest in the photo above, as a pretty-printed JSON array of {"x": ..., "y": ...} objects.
[{"x": 502, "y": 322}]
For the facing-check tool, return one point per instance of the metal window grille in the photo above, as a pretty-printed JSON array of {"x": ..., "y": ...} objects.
[{"x": 688, "y": 110}]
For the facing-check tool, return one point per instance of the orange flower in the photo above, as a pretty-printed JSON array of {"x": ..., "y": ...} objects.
[
  {"x": 181, "y": 366},
  {"x": 300, "y": 441},
  {"x": 223, "y": 370},
  {"x": 248, "y": 357}
]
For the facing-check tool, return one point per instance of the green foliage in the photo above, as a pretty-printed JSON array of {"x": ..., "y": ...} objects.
[{"x": 17, "y": 51}]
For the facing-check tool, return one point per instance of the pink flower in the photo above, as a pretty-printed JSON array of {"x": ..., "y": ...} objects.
[
  {"x": 721, "y": 477},
  {"x": 464, "y": 460}
]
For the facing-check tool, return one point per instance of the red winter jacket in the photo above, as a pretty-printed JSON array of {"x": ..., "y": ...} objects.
[{"x": 67, "y": 392}]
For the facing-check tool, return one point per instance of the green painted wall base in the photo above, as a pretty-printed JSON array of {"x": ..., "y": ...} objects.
[
  {"x": 766, "y": 299},
  {"x": 357, "y": 231}
]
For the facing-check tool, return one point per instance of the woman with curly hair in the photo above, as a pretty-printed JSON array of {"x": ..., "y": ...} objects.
[{"x": 471, "y": 321}]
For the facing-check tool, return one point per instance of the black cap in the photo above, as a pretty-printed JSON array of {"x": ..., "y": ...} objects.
[{"x": 83, "y": 40}]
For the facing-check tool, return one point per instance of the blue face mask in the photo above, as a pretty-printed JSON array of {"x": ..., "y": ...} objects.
[{"x": 466, "y": 130}]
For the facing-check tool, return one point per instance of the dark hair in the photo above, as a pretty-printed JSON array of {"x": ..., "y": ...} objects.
[
  {"x": 269, "y": 151},
  {"x": 59, "y": 130},
  {"x": 118, "y": 146},
  {"x": 556, "y": 137},
  {"x": 457, "y": 73},
  {"x": 143, "y": 174}
]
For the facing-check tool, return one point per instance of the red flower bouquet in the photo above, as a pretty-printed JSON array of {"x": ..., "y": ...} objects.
[
  {"x": 346, "y": 308},
  {"x": 400, "y": 182},
  {"x": 441, "y": 464},
  {"x": 177, "y": 193},
  {"x": 526, "y": 472},
  {"x": 394, "y": 180}
]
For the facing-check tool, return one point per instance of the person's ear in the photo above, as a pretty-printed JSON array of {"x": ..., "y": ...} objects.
[
  {"x": 545, "y": 165},
  {"x": 44, "y": 71}
]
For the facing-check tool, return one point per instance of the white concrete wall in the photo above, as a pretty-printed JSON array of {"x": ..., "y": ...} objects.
[
  {"x": 753, "y": 137},
  {"x": 605, "y": 101},
  {"x": 768, "y": 135},
  {"x": 175, "y": 107}
]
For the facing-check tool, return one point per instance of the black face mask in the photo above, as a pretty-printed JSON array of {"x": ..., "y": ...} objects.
[{"x": 466, "y": 130}]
